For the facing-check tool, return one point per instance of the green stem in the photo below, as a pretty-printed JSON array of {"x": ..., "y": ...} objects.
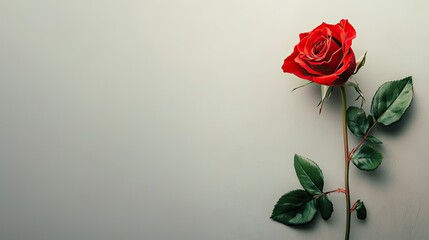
[{"x": 346, "y": 162}]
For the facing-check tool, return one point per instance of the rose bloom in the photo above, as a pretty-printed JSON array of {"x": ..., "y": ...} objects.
[{"x": 324, "y": 55}]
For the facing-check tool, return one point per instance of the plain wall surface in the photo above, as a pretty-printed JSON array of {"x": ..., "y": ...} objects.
[{"x": 165, "y": 120}]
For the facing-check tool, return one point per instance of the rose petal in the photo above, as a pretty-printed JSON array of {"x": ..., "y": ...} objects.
[
  {"x": 325, "y": 66},
  {"x": 290, "y": 66},
  {"x": 324, "y": 55},
  {"x": 321, "y": 36},
  {"x": 304, "y": 63},
  {"x": 303, "y": 35},
  {"x": 347, "y": 69},
  {"x": 324, "y": 25},
  {"x": 348, "y": 34},
  {"x": 324, "y": 80},
  {"x": 332, "y": 56}
]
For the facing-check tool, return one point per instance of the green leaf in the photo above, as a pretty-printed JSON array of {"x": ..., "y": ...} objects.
[
  {"x": 296, "y": 207},
  {"x": 357, "y": 89},
  {"x": 357, "y": 121},
  {"x": 361, "y": 210},
  {"x": 360, "y": 63},
  {"x": 308, "y": 83},
  {"x": 326, "y": 91},
  {"x": 367, "y": 158},
  {"x": 326, "y": 94},
  {"x": 391, "y": 100},
  {"x": 309, "y": 175},
  {"x": 370, "y": 120},
  {"x": 325, "y": 206},
  {"x": 374, "y": 140}
]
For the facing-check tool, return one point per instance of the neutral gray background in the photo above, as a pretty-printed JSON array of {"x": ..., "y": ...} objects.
[{"x": 157, "y": 119}]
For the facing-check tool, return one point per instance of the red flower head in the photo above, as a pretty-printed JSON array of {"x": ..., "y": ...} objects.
[{"x": 324, "y": 55}]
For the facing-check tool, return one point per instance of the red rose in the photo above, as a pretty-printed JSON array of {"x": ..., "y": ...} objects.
[{"x": 324, "y": 55}]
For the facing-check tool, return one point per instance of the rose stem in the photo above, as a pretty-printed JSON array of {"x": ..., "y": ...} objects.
[{"x": 346, "y": 161}]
